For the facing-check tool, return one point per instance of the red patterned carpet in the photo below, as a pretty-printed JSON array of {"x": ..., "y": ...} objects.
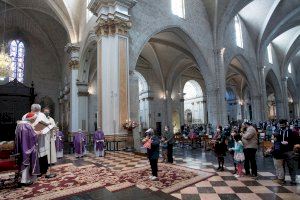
[{"x": 71, "y": 180}]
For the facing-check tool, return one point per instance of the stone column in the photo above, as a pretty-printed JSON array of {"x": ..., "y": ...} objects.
[
  {"x": 73, "y": 51},
  {"x": 221, "y": 86},
  {"x": 83, "y": 105},
  {"x": 284, "y": 97},
  {"x": 181, "y": 115},
  {"x": 134, "y": 107},
  {"x": 112, "y": 28},
  {"x": 168, "y": 113},
  {"x": 256, "y": 105},
  {"x": 263, "y": 97}
]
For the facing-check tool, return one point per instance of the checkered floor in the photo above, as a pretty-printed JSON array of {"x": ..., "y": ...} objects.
[
  {"x": 221, "y": 186},
  {"x": 225, "y": 186}
]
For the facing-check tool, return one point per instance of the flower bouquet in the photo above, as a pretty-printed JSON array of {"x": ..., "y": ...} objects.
[{"x": 130, "y": 125}]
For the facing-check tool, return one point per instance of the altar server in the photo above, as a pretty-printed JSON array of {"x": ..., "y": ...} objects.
[
  {"x": 50, "y": 139},
  {"x": 99, "y": 142}
]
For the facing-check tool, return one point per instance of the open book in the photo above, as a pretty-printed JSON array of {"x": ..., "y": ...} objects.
[{"x": 43, "y": 127}]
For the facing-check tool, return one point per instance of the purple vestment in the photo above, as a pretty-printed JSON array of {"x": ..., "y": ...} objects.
[
  {"x": 98, "y": 136},
  {"x": 59, "y": 142},
  {"x": 79, "y": 141},
  {"x": 26, "y": 146}
]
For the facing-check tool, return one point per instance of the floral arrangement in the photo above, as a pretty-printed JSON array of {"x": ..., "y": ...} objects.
[{"x": 130, "y": 125}]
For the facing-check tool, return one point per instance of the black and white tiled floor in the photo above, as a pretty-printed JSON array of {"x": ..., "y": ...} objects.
[{"x": 221, "y": 186}]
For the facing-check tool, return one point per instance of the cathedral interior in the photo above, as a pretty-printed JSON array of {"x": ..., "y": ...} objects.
[{"x": 130, "y": 66}]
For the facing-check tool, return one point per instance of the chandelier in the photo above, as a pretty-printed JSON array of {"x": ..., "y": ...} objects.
[{"x": 5, "y": 59}]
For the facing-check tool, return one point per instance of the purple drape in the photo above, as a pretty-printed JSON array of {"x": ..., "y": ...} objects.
[{"x": 26, "y": 146}]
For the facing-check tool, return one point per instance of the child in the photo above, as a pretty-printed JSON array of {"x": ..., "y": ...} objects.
[
  {"x": 239, "y": 157},
  {"x": 220, "y": 147},
  {"x": 277, "y": 153},
  {"x": 231, "y": 142},
  {"x": 164, "y": 149}
]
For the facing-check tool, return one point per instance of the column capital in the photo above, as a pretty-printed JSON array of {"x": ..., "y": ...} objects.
[
  {"x": 73, "y": 50},
  {"x": 82, "y": 88},
  {"x": 113, "y": 17}
]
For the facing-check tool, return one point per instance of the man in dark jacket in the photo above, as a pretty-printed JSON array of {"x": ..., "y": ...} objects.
[{"x": 289, "y": 140}]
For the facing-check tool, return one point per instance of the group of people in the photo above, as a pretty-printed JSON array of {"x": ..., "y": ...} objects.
[
  {"x": 242, "y": 144},
  {"x": 152, "y": 142},
  {"x": 39, "y": 142},
  {"x": 35, "y": 141},
  {"x": 80, "y": 143}
]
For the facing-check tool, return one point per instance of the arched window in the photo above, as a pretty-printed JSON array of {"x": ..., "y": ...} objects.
[
  {"x": 89, "y": 14},
  {"x": 269, "y": 49},
  {"x": 290, "y": 68},
  {"x": 17, "y": 53},
  {"x": 238, "y": 32},
  {"x": 178, "y": 8}
]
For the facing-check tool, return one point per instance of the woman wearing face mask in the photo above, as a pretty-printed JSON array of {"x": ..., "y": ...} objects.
[
  {"x": 151, "y": 142},
  {"x": 170, "y": 141},
  {"x": 220, "y": 147}
]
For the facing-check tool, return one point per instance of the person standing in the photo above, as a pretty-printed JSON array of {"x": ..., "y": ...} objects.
[
  {"x": 26, "y": 146},
  {"x": 289, "y": 140},
  {"x": 59, "y": 144},
  {"x": 43, "y": 148},
  {"x": 152, "y": 152},
  {"x": 170, "y": 141},
  {"x": 220, "y": 147},
  {"x": 79, "y": 141},
  {"x": 50, "y": 138},
  {"x": 249, "y": 139},
  {"x": 99, "y": 142}
]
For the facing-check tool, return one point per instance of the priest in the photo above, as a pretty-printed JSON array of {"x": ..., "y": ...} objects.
[
  {"x": 26, "y": 145},
  {"x": 99, "y": 142},
  {"x": 50, "y": 138},
  {"x": 79, "y": 141},
  {"x": 43, "y": 148},
  {"x": 59, "y": 144}
]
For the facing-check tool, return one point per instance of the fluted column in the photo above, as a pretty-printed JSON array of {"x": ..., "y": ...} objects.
[
  {"x": 285, "y": 102},
  {"x": 73, "y": 64},
  {"x": 83, "y": 95},
  {"x": 221, "y": 116},
  {"x": 112, "y": 28}
]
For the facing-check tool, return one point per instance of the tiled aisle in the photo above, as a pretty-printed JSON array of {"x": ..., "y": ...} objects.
[{"x": 221, "y": 186}]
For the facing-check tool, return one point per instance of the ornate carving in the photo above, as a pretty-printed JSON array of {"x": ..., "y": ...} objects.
[
  {"x": 73, "y": 51},
  {"x": 112, "y": 25},
  {"x": 113, "y": 17}
]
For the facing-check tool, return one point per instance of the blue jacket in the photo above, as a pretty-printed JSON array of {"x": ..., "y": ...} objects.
[{"x": 153, "y": 153}]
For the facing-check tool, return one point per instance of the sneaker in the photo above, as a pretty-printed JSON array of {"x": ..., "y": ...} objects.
[
  {"x": 153, "y": 178},
  {"x": 237, "y": 176},
  {"x": 150, "y": 177}
]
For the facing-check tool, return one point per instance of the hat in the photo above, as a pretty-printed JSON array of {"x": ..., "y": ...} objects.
[
  {"x": 30, "y": 116},
  {"x": 150, "y": 130}
]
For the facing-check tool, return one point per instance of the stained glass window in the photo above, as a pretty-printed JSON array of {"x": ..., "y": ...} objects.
[{"x": 17, "y": 53}]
